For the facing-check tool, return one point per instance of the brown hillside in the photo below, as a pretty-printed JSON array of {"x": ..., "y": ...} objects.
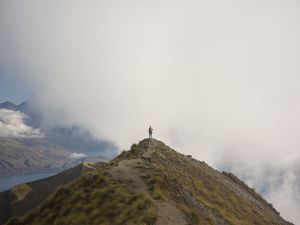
[{"x": 153, "y": 184}]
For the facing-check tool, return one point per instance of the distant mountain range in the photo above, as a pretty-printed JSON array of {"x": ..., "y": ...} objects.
[
  {"x": 60, "y": 147},
  {"x": 12, "y": 106}
]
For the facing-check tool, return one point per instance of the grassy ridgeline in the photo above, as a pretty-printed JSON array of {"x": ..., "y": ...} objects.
[{"x": 152, "y": 184}]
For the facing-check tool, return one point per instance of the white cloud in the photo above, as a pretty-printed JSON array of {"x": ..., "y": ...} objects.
[
  {"x": 216, "y": 79},
  {"x": 276, "y": 180},
  {"x": 12, "y": 125},
  {"x": 77, "y": 155}
]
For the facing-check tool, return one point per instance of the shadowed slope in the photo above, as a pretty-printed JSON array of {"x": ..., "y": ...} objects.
[{"x": 25, "y": 197}]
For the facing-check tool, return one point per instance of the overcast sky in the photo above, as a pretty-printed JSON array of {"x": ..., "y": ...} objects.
[
  {"x": 12, "y": 89},
  {"x": 216, "y": 79}
]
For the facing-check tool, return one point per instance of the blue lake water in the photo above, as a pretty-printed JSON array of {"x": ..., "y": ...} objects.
[{"x": 10, "y": 181}]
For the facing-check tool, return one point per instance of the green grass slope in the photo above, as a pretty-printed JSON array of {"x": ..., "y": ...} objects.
[{"x": 153, "y": 184}]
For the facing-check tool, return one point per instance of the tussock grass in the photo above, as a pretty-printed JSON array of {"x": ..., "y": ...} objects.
[
  {"x": 93, "y": 199},
  {"x": 19, "y": 192},
  {"x": 156, "y": 187},
  {"x": 135, "y": 152}
]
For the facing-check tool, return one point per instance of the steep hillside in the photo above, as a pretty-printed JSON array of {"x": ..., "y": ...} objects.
[
  {"x": 17, "y": 157},
  {"x": 153, "y": 184},
  {"x": 25, "y": 197}
]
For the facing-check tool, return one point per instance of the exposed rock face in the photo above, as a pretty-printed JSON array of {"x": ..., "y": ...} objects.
[{"x": 153, "y": 184}]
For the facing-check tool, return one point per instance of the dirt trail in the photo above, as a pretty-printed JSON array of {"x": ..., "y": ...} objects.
[
  {"x": 169, "y": 215},
  {"x": 150, "y": 149},
  {"x": 128, "y": 173}
]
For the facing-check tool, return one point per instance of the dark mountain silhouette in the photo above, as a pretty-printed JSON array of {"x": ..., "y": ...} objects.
[
  {"x": 23, "y": 107},
  {"x": 24, "y": 197},
  {"x": 154, "y": 184},
  {"x": 9, "y": 105}
]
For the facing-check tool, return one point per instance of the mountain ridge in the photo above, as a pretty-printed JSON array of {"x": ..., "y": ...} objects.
[
  {"x": 8, "y": 105},
  {"x": 154, "y": 184}
]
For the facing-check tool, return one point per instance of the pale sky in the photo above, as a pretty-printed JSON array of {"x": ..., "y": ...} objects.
[
  {"x": 12, "y": 89},
  {"x": 216, "y": 79}
]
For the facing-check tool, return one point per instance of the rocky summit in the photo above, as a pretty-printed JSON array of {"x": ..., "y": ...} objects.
[{"x": 153, "y": 184}]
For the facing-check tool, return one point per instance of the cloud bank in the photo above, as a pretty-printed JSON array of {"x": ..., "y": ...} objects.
[
  {"x": 216, "y": 79},
  {"x": 12, "y": 125},
  {"x": 77, "y": 155}
]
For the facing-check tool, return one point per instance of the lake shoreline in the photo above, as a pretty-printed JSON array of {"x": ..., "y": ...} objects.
[{"x": 10, "y": 181}]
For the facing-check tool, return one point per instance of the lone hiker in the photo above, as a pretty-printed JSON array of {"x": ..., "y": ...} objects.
[{"x": 150, "y": 131}]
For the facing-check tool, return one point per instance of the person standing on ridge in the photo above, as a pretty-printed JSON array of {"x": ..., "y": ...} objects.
[{"x": 150, "y": 131}]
